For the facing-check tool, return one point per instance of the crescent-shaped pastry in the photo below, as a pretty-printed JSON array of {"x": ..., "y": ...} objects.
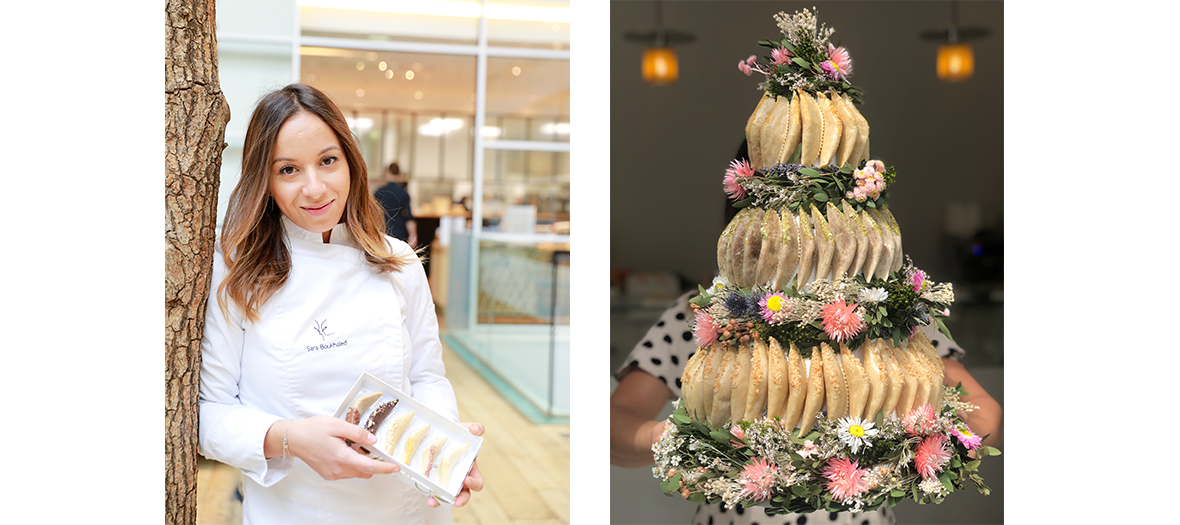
[
  {"x": 412, "y": 441},
  {"x": 426, "y": 464},
  {"x": 773, "y": 130},
  {"x": 887, "y": 248},
  {"x": 794, "y": 132},
  {"x": 814, "y": 399},
  {"x": 379, "y": 415},
  {"x": 777, "y": 379},
  {"x": 754, "y": 128},
  {"x": 724, "y": 257},
  {"x": 447, "y": 462},
  {"x": 862, "y": 239},
  {"x": 834, "y": 386},
  {"x": 878, "y": 379},
  {"x": 737, "y": 244},
  {"x": 709, "y": 362},
  {"x": 806, "y": 248},
  {"x": 752, "y": 249},
  {"x": 856, "y": 380},
  {"x": 825, "y": 244},
  {"x": 873, "y": 234},
  {"x": 844, "y": 242},
  {"x": 740, "y": 382},
  {"x": 848, "y": 141},
  {"x": 756, "y": 395},
  {"x": 360, "y": 405},
  {"x": 833, "y": 130},
  {"x": 788, "y": 251},
  {"x": 933, "y": 364},
  {"x": 812, "y": 124},
  {"x": 899, "y": 254},
  {"x": 722, "y": 389},
  {"x": 861, "y": 152},
  {"x": 909, "y": 383},
  {"x": 397, "y": 426},
  {"x": 689, "y": 381},
  {"x": 772, "y": 242},
  {"x": 917, "y": 370},
  {"x": 797, "y": 389},
  {"x": 896, "y": 379}
]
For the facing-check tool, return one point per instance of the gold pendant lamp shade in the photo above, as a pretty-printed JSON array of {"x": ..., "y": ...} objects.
[
  {"x": 956, "y": 58},
  {"x": 956, "y": 62},
  {"x": 660, "y": 66}
]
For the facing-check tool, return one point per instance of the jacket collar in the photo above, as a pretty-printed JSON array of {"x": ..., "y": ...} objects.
[{"x": 339, "y": 233}]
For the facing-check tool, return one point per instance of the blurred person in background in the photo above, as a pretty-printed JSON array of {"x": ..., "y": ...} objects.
[{"x": 399, "y": 220}]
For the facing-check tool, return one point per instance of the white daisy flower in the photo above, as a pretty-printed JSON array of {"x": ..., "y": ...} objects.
[
  {"x": 873, "y": 295},
  {"x": 719, "y": 282},
  {"x": 855, "y": 432}
]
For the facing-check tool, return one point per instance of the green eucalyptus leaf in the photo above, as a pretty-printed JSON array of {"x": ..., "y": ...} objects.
[
  {"x": 944, "y": 477},
  {"x": 802, "y": 63}
]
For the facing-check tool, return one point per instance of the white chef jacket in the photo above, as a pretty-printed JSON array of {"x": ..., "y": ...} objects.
[{"x": 333, "y": 319}]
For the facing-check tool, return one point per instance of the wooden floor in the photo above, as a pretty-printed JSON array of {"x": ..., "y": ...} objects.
[{"x": 525, "y": 466}]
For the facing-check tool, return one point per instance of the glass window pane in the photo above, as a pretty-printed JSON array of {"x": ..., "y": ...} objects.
[
  {"x": 532, "y": 96},
  {"x": 387, "y": 26}
]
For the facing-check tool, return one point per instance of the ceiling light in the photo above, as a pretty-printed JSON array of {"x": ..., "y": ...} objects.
[
  {"x": 409, "y": 74},
  {"x": 440, "y": 126},
  {"x": 956, "y": 59},
  {"x": 382, "y": 66},
  {"x": 455, "y": 8},
  {"x": 559, "y": 128},
  {"x": 660, "y": 66}
]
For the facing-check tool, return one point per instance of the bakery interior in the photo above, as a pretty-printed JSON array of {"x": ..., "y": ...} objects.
[
  {"x": 671, "y": 145},
  {"x": 492, "y": 208}
]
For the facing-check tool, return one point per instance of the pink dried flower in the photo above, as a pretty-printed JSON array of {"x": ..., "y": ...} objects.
[
  {"x": 734, "y": 190},
  {"x": 738, "y": 171},
  {"x": 841, "y": 321},
  {"x": 781, "y": 55},
  {"x": 920, "y": 421},
  {"x": 878, "y": 166},
  {"x": 931, "y": 455},
  {"x": 737, "y": 432},
  {"x": 808, "y": 449},
  {"x": 745, "y": 66},
  {"x": 839, "y": 65},
  {"x": 858, "y": 193},
  {"x": 918, "y": 280},
  {"x": 758, "y": 478},
  {"x": 705, "y": 330},
  {"x": 845, "y": 478},
  {"x": 775, "y": 308},
  {"x": 967, "y": 438}
]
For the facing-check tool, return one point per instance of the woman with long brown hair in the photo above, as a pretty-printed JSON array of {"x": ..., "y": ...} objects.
[{"x": 308, "y": 293}]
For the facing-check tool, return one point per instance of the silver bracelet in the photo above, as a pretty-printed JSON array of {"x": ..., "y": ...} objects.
[{"x": 285, "y": 437}]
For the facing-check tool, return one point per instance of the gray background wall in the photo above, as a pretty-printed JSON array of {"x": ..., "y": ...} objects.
[{"x": 670, "y": 146}]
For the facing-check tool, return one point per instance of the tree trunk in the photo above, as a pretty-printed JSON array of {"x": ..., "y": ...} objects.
[{"x": 195, "y": 115}]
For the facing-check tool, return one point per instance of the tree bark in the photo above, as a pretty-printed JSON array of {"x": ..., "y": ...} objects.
[{"x": 195, "y": 115}]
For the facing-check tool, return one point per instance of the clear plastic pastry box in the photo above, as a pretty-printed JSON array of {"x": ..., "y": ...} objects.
[{"x": 441, "y": 451}]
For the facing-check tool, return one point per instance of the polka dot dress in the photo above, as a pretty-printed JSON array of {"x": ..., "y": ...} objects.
[{"x": 663, "y": 353}]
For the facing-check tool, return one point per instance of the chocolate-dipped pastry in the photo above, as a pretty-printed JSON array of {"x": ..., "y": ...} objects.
[{"x": 379, "y": 414}]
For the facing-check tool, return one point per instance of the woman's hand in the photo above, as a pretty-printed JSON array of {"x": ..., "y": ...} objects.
[
  {"x": 473, "y": 481},
  {"x": 319, "y": 442}
]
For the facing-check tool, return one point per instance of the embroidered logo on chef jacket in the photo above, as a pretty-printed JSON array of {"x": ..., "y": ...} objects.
[{"x": 322, "y": 329}]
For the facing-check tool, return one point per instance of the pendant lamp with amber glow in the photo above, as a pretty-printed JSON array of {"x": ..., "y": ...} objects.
[
  {"x": 660, "y": 66},
  {"x": 956, "y": 59}
]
